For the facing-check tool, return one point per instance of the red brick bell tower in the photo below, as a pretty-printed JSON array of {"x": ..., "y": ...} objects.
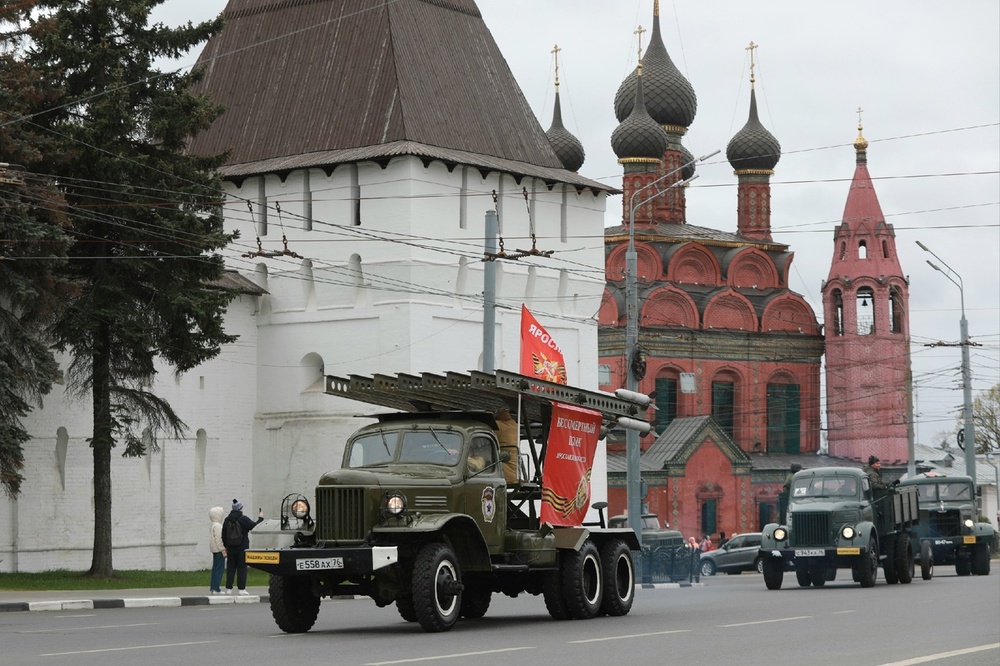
[{"x": 867, "y": 331}]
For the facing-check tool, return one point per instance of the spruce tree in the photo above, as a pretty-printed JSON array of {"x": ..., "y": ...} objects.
[{"x": 146, "y": 216}]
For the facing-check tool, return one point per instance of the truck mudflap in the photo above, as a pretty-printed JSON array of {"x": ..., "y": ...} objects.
[{"x": 302, "y": 561}]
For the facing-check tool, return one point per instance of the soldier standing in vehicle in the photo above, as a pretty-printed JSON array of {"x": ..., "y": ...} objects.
[
  {"x": 786, "y": 489},
  {"x": 874, "y": 471}
]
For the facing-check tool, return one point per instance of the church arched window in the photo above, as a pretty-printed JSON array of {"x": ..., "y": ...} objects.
[
  {"x": 866, "y": 311},
  {"x": 895, "y": 310},
  {"x": 837, "y": 301},
  {"x": 862, "y": 249}
]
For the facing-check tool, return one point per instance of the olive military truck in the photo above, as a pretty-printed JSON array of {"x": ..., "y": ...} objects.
[
  {"x": 948, "y": 531},
  {"x": 665, "y": 555},
  {"x": 836, "y": 520},
  {"x": 434, "y": 509}
]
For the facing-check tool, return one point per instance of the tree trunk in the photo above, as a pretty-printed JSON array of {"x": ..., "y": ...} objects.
[{"x": 102, "y": 442}]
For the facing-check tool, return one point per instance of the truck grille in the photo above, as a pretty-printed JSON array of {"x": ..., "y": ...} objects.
[
  {"x": 340, "y": 514},
  {"x": 948, "y": 524},
  {"x": 811, "y": 529}
]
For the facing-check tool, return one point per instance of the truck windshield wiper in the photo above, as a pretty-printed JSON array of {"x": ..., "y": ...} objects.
[
  {"x": 385, "y": 443},
  {"x": 434, "y": 435}
]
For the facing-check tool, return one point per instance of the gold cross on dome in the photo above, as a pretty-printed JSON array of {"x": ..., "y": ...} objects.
[
  {"x": 751, "y": 49},
  {"x": 555, "y": 52},
  {"x": 639, "y": 31},
  {"x": 859, "y": 112}
]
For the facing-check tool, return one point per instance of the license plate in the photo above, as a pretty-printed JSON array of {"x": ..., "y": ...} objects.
[
  {"x": 809, "y": 552},
  {"x": 968, "y": 539},
  {"x": 319, "y": 563},
  {"x": 848, "y": 551}
]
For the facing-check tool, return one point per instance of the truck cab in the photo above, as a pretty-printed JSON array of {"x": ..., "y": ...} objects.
[{"x": 948, "y": 529}]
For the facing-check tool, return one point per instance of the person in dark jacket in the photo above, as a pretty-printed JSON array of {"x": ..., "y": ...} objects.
[
  {"x": 874, "y": 471},
  {"x": 236, "y": 563}
]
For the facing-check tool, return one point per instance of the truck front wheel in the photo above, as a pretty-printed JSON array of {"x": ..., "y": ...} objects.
[
  {"x": 293, "y": 605},
  {"x": 619, "y": 578},
  {"x": 904, "y": 558},
  {"x": 437, "y": 587},
  {"x": 582, "y": 589},
  {"x": 926, "y": 560},
  {"x": 981, "y": 559},
  {"x": 774, "y": 571},
  {"x": 866, "y": 568}
]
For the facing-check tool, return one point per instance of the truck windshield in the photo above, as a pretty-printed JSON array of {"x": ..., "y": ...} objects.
[
  {"x": 412, "y": 446},
  {"x": 945, "y": 492},
  {"x": 830, "y": 486}
]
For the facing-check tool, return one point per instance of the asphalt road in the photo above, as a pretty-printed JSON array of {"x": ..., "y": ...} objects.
[{"x": 727, "y": 620}]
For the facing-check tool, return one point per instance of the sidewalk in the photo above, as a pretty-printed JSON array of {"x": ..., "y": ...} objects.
[{"x": 56, "y": 600}]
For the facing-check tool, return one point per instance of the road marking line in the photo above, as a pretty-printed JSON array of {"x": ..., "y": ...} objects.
[
  {"x": 105, "y": 626},
  {"x": 121, "y": 649},
  {"x": 842, "y": 612},
  {"x": 618, "y": 638},
  {"x": 446, "y": 656},
  {"x": 781, "y": 619},
  {"x": 944, "y": 655}
]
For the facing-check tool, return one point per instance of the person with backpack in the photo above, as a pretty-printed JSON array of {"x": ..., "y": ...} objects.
[
  {"x": 215, "y": 515},
  {"x": 236, "y": 538}
]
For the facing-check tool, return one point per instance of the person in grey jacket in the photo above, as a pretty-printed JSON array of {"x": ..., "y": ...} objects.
[{"x": 236, "y": 563}]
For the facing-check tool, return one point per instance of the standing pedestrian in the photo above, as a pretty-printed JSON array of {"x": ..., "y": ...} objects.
[
  {"x": 695, "y": 560},
  {"x": 236, "y": 562},
  {"x": 215, "y": 515}
]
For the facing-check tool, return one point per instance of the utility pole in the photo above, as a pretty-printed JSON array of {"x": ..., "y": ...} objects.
[{"x": 490, "y": 293}]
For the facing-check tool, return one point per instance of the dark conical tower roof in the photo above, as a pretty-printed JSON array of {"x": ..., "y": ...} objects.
[
  {"x": 670, "y": 99},
  {"x": 753, "y": 147},
  {"x": 639, "y": 137}
]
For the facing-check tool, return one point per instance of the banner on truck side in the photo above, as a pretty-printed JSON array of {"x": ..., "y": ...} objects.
[
  {"x": 569, "y": 459},
  {"x": 540, "y": 355}
]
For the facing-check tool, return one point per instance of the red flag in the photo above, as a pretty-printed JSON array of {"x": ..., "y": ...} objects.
[
  {"x": 540, "y": 355},
  {"x": 569, "y": 457}
]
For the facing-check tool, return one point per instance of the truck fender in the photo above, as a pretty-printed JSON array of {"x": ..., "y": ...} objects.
[
  {"x": 983, "y": 531},
  {"x": 865, "y": 530},
  {"x": 600, "y": 537},
  {"x": 461, "y": 532},
  {"x": 767, "y": 540}
]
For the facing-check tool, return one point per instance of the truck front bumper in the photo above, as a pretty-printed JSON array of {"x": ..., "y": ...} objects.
[
  {"x": 357, "y": 560},
  {"x": 808, "y": 558}
]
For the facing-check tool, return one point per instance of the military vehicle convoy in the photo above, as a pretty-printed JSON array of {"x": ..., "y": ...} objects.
[
  {"x": 948, "y": 531},
  {"x": 836, "y": 520},
  {"x": 431, "y": 512}
]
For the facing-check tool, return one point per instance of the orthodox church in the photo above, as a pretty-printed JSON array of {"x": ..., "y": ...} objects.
[
  {"x": 731, "y": 354},
  {"x": 361, "y": 187}
]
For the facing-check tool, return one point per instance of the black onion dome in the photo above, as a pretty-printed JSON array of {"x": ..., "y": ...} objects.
[
  {"x": 753, "y": 147},
  {"x": 688, "y": 169},
  {"x": 639, "y": 137},
  {"x": 568, "y": 148},
  {"x": 670, "y": 99}
]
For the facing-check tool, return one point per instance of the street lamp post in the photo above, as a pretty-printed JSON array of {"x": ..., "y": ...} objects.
[
  {"x": 969, "y": 429},
  {"x": 632, "y": 479}
]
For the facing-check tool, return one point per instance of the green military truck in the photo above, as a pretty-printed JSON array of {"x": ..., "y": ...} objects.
[
  {"x": 664, "y": 553},
  {"x": 836, "y": 520},
  {"x": 429, "y": 514},
  {"x": 948, "y": 531}
]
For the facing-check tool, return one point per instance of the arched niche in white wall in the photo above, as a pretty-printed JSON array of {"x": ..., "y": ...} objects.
[
  {"x": 311, "y": 373},
  {"x": 308, "y": 285},
  {"x": 62, "y": 444},
  {"x": 200, "y": 451}
]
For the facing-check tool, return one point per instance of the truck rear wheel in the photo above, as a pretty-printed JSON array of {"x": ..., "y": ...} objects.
[
  {"x": 437, "y": 587},
  {"x": 963, "y": 564},
  {"x": 802, "y": 577},
  {"x": 866, "y": 567},
  {"x": 293, "y": 604},
  {"x": 774, "y": 572},
  {"x": 581, "y": 581},
  {"x": 817, "y": 576},
  {"x": 476, "y": 599},
  {"x": 926, "y": 560},
  {"x": 904, "y": 558},
  {"x": 981, "y": 559},
  {"x": 889, "y": 569},
  {"x": 404, "y": 604},
  {"x": 619, "y": 578},
  {"x": 553, "y": 596}
]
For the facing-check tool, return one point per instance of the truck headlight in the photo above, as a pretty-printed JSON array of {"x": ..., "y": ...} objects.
[
  {"x": 395, "y": 504},
  {"x": 847, "y": 532},
  {"x": 300, "y": 508},
  {"x": 969, "y": 523},
  {"x": 780, "y": 534}
]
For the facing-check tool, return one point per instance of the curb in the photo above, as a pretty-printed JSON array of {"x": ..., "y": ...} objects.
[{"x": 134, "y": 602}]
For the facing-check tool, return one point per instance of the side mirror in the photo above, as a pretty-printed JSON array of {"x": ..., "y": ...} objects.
[
  {"x": 505, "y": 456},
  {"x": 600, "y": 507}
]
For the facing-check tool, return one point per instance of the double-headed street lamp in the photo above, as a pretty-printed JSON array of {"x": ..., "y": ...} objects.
[
  {"x": 632, "y": 479},
  {"x": 969, "y": 430}
]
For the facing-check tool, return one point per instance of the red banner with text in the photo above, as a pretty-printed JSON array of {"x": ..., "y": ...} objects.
[
  {"x": 569, "y": 458},
  {"x": 541, "y": 357}
]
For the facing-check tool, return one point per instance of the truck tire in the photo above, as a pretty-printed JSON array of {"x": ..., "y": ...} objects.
[
  {"x": 817, "y": 576},
  {"x": 963, "y": 565},
  {"x": 582, "y": 588},
  {"x": 981, "y": 559},
  {"x": 476, "y": 599},
  {"x": 618, "y": 574},
  {"x": 404, "y": 604},
  {"x": 867, "y": 566},
  {"x": 904, "y": 558},
  {"x": 294, "y": 607},
  {"x": 774, "y": 572},
  {"x": 553, "y": 595},
  {"x": 889, "y": 568},
  {"x": 802, "y": 577},
  {"x": 926, "y": 560},
  {"x": 437, "y": 587}
]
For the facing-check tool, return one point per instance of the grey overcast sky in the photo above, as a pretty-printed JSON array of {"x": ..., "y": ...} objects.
[{"x": 925, "y": 73}]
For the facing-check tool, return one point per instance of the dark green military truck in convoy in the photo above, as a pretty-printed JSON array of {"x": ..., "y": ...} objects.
[
  {"x": 429, "y": 514},
  {"x": 948, "y": 530},
  {"x": 836, "y": 520}
]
